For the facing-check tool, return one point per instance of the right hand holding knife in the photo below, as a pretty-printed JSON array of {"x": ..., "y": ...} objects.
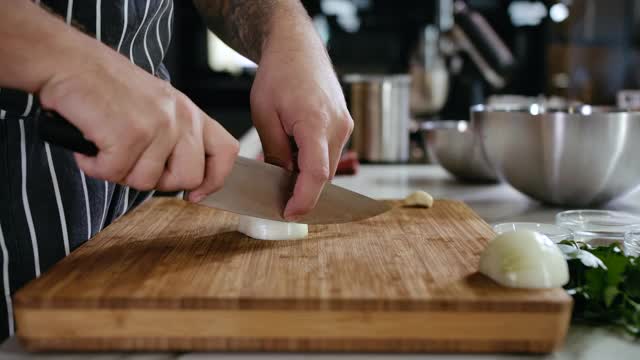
[{"x": 148, "y": 134}]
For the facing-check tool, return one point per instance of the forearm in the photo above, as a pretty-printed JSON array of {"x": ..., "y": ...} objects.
[
  {"x": 35, "y": 45},
  {"x": 247, "y": 25}
]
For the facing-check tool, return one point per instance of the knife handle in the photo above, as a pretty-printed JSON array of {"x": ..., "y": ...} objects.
[{"x": 55, "y": 129}]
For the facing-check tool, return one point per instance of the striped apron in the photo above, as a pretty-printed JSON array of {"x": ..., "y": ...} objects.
[{"x": 48, "y": 207}]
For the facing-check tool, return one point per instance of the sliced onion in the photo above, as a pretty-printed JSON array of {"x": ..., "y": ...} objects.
[
  {"x": 524, "y": 259},
  {"x": 263, "y": 229}
]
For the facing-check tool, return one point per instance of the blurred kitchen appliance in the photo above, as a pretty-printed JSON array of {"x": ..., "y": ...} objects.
[
  {"x": 429, "y": 75},
  {"x": 592, "y": 49},
  {"x": 582, "y": 50},
  {"x": 459, "y": 30},
  {"x": 452, "y": 29},
  {"x": 363, "y": 36},
  {"x": 379, "y": 105},
  {"x": 629, "y": 99}
]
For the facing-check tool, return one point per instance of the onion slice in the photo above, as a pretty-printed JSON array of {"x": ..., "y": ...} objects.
[
  {"x": 524, "y": 259},
  {"x": 263, "y": 229}
]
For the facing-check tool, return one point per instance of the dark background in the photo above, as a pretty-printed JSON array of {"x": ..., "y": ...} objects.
[{"x": 595, "y": 49}]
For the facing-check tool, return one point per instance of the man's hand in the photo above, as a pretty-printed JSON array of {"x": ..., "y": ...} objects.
[
  {"x": 150, "y": 136},
  {"x": 295, "y": 94}
]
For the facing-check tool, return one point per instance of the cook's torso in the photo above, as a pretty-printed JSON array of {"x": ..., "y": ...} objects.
[
  {"x": 138, "y": 29},
  {"x": 48, "y": 207}
]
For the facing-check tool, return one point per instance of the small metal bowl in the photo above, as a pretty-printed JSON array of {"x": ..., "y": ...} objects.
[{"x": 454, "y": 146}]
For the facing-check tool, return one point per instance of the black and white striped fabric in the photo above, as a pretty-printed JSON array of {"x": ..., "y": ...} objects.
[{"x": 48, "y": 207}]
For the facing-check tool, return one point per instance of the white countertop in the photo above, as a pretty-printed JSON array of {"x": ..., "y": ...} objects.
[{"x": 495, "y": 203}]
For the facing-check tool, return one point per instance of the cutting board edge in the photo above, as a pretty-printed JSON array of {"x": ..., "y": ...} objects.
[
  {"x": 284, "y": 345},
  {"x": 561, "y": 302},
  {"x": 297, "y": 331}
]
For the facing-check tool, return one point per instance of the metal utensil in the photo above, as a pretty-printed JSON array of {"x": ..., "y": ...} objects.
[
  {"x": 580, "y": 156},
  {"x": 253, "y": 188},
  {"x": 261, "y": 190},
  {"x": 379, "y": 105},
  {"x": 455, "y": 147}
]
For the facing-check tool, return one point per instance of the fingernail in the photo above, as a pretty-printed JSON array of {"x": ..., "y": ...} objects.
[
  {"x": 289, "y": 215},
  {"x": 196, "y": 197},
  {"x": 292, "y": 218}
]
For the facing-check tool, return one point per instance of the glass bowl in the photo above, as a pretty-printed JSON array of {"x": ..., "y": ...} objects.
[
  {"x": 632, "y": 242},
  {"x": 554, "y": 232},
  {"x": 599, "y": 227}
]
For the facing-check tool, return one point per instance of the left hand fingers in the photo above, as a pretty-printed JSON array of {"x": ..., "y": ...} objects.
[
  {"x": 319, "y": 149},
  {"x": 340, "y": 133},
  {"x": 276, "y": 144},
  {"x": 221, "y": 151},
  {"x": 314, "y": 167}
]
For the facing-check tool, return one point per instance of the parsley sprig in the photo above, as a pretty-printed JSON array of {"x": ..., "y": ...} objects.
[{"x": 605, "y": 285}]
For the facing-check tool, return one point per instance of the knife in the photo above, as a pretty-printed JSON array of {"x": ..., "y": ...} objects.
[{"x": 253, "y": 188}]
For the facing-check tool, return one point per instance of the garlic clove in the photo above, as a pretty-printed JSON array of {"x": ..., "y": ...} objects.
[{"x": 418, "y": 199}]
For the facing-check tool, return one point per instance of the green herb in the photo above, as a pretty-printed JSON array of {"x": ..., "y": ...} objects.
[{"x": 605, "y": 285}]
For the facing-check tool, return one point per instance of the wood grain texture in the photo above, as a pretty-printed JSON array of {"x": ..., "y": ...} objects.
[{"x": 176, "y": 276}]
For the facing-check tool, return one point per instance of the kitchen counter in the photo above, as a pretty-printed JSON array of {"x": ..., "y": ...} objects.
[{"x": 495, "y": 203}]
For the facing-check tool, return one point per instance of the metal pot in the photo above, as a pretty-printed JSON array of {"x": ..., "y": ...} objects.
[
  {"x": 456, "y": 148},
  {"x": 379, "y": 105}
]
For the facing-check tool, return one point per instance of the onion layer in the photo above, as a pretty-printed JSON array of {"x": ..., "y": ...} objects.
[
  {"x": 524, "y": 259},
  {"x": 263, "y": 229}
]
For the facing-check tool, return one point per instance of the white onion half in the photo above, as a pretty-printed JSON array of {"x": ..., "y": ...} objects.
[
  {"x": 524, "y": 259},
  {"x": 263, "y": 229}
]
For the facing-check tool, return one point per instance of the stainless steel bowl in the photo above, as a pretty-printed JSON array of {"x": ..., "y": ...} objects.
[
  {"x": 576, "y": 157},
  {"x": 453, "y": 145}
]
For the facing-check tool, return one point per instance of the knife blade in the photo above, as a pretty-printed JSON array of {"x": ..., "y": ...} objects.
[
  {"x": 262, "y": 190},
  {"x": 253, "y": 188}
]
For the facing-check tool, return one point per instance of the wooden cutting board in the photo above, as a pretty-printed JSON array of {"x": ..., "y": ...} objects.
[{"x": 176, "y": 276}]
